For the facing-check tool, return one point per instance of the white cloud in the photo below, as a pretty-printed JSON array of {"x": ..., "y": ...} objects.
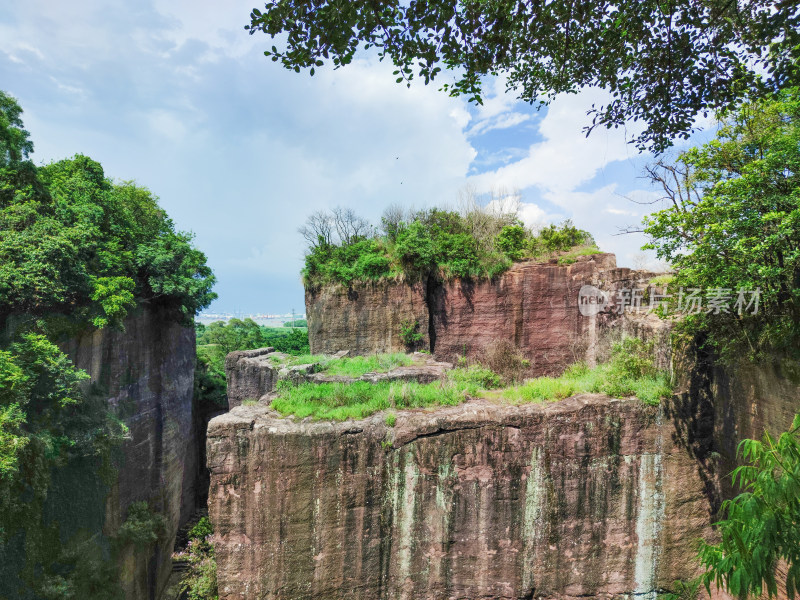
[
  {"x": 503, "y": 121},
  {"x": 565, "y": 158},
  {"x": 532, "y": 215}
]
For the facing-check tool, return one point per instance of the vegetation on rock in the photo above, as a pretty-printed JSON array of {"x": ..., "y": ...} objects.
[
  {"x": 200, "y": 583},
  {"x": 77, "y": 251},
  {"x": 761, "y": 525},
  {"x": 477, "y": 242},
  {"x": 216, "y": 340},
  {"x": 630, "y": 372}
]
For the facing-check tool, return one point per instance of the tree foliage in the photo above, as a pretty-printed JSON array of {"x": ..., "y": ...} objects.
[
  {"x": 77, "y": 251},
  {"x": 734, "y": 223},
  {"x": 761, "y": 525},
  {"x": 216, "y": 340},
  {"x": 664, "y": 63},
  {"x": 475, "y": 243}
]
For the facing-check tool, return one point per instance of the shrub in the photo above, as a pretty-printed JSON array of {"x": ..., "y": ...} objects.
[
  {"x": 506, "y": 359},
  {"x": 511, "y": 240},
  {"x": 200, "y": 582},
  {"x": 142, "y": 527},
  {"x": 391, "y": 419},
  {"x": 409, "y": 333},
  {"x": 476, "y": 377},
  {"x": 476, "y": 243}
]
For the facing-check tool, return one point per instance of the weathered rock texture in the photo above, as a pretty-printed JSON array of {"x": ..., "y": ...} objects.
[
  {"x": 585, "y": 497},
  {"x": 365, "y": 319},
  {"x": 250, "y": 375},
  {"x": 532, "y": 305},
  {"x": 147, "y": 372}
]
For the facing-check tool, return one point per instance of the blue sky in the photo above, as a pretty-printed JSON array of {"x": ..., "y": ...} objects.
[{"x": 177, "y": 96}]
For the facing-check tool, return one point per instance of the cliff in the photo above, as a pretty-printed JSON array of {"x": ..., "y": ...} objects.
[
  {"x": 532, "y": 305},
  {"x": 588, "y": 496},
  {"x": 146, "y": 372}
]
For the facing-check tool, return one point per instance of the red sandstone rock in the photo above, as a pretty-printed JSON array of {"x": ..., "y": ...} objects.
[
  {"x": 532, "y": 305},
  {"x": 589, "y": 496}
]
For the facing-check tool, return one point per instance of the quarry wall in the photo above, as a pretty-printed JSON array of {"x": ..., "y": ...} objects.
[
  {"x": 146, "y": 372},
  {"x": 533, "y": 305},
  {"x": 586, "y": 497}
]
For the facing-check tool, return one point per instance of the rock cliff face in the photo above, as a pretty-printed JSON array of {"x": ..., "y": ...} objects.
[
  {"x": 532, "y": 305},
  {"x": 585, "y": 497},
  {"x": 147, "y": 372},
  {"x": 365, "y": 319}
]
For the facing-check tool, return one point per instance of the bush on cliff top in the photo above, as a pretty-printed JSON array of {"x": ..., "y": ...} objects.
[{"x": 477, "y": 242}]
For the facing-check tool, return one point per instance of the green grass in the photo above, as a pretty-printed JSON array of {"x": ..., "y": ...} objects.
[
  {"x": 355, "y": 366},
  {"x": 360, "y": 399},
  {"x": 606, "y": 379},
  {"x": 630, "y": 372},
  {"x": 661, "y": 280},
  {"x": 572, "y": 255}
]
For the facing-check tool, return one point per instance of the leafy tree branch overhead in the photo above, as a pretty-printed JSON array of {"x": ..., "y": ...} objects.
[{"x": 665, "y": 62}]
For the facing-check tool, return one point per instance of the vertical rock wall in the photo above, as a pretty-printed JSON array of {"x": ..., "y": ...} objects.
[
  {"x": 365, "y": 319},
  {"x": 532, "y": 305},
  {"x": 585, "y": 497},
  {"x": 147, "y": 373}
]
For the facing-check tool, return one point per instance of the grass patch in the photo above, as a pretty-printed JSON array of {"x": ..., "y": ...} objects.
[
  {"x": 357, "y": 366},
  {"x": 662, "y": 280},
  {"x": 631, "y": 372},
  {"x": 360, "y": 399},
  {"x": 354, "y": 366},
  {"x": 571, "y": 256}
]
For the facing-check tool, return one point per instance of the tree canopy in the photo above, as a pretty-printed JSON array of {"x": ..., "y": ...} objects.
[
  {"x": 664, "y": 63},
  {"x": 734, "y": 223}
]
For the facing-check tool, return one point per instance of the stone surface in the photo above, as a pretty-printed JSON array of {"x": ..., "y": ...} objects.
[
  {"x": 147, "y": 374},
  {"x": 364, "y": 319},
  {"x": 250, "y": 374},
  {"x": 585, "y": 497},
  {"x": 533, "y": 305}
]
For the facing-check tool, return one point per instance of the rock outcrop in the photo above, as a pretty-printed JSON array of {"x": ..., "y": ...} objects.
[
  {"x": 533, "y": 305},
  {"x": 585, "y": 497},
  {"x": 250, "y": 374},
  {"x": 146, "y": 372},
  {"x": 253, "y": 374}
]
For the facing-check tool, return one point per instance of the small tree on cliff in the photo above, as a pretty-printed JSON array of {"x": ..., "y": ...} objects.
[{"x": 762, "y": 524}]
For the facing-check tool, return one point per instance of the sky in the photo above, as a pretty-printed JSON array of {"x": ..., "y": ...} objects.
[{"x": 178, "y": 97}]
